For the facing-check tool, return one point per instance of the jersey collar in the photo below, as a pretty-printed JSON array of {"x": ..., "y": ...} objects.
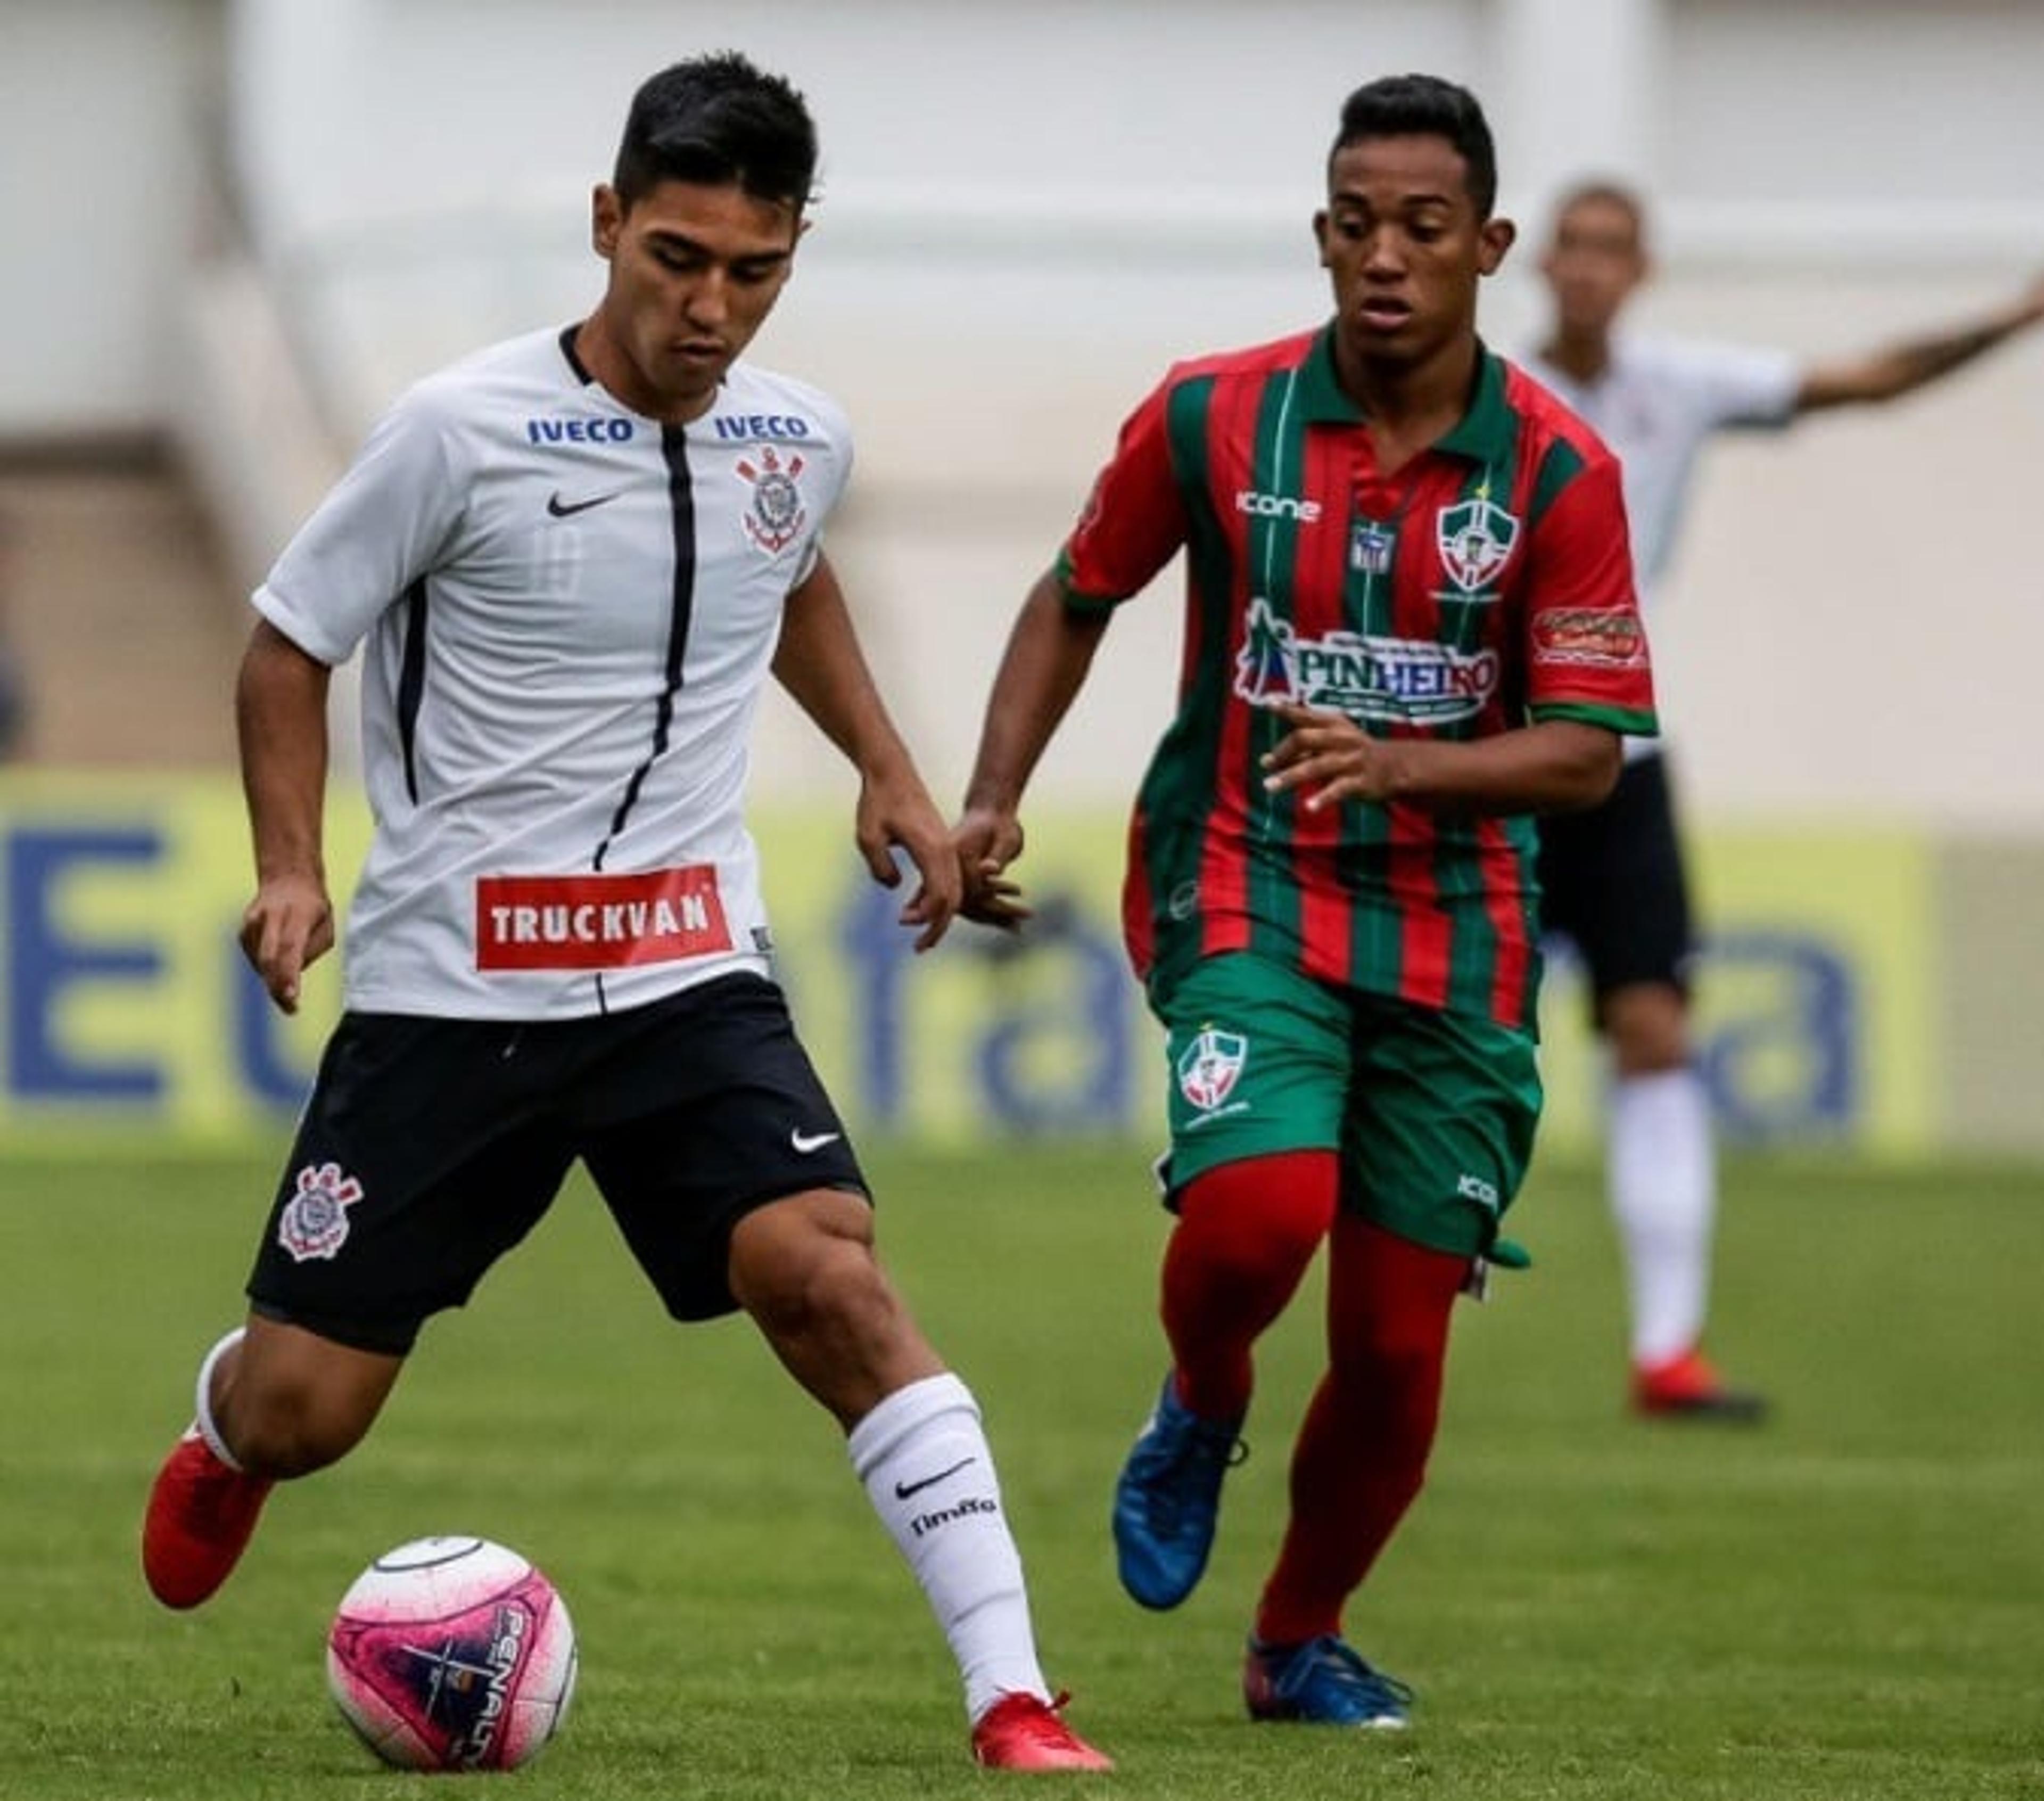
[{"x": 1483, "y": 434}]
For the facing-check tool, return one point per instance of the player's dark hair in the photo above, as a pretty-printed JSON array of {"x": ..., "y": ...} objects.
[
  {"x": 1425, "y": 106},
  {"x": 719, "y": 122},
  {"x": 1603, "y": 190}
]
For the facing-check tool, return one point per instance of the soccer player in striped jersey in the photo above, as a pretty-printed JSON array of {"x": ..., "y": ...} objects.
[
  {"x": 574, "y": 559},
  {"x": 1409, "y": 627},
  {"x": 1611, "y": 878}
]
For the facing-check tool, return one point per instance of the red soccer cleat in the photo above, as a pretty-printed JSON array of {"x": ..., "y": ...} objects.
[
  {"x": 1688, "y": 1387},
  {"x": 1020, "y": 1732},
  {"x": 202, "y": 1514}
]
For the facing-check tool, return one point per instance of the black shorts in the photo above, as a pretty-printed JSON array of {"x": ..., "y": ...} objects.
[
  {"x": 430, "y": 1147},
  {"x": 1611, "y": 883}
]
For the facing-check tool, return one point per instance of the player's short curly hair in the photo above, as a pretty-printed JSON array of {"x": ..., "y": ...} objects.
[
  {"x": 719, "y": 121},
  {"x": 1425, "y": 106}
]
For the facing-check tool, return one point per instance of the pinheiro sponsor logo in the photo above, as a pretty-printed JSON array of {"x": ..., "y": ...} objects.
[
  {"x": 1587, "y": 637},
  {"x": 1475, "y": 537},
  {"x": 1276, "y": 506},
  {"x": 313, "y": 1225},
  {"x": 760, "y": 425},
  {"x": 1405, "y": 681},
  {"x": 579, "y": 429},
  {"x": 1210, "y": 1067},
  {"x": 776, "y": 515}
]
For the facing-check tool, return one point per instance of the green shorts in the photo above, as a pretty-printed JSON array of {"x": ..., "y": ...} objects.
[{"x": 1432, "y": 1112}]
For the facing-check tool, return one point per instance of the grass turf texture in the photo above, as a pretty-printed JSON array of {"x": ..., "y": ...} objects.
[{"x": 1846, "y": 1603}]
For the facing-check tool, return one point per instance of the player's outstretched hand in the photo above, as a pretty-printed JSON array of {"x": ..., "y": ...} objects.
[
  {"x": 2032, "y": 302},
  {"x": 285, "y": 929},
  {"x": 987, "y": 843},
  {"x": 1326, "y": 757},
  {"x": 902, "y": 814}
]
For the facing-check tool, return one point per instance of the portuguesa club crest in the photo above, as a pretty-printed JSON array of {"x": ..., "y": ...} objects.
[
  {"x": 1475, "y": 537},
  {"x": 1210, "y": 1066}
]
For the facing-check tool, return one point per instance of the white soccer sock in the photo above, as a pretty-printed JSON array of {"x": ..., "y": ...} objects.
[
  {"x": 202, "y": 1402},
  {"x": 928, "y": 1471},
  {"x": 1662, "y": 1177}
]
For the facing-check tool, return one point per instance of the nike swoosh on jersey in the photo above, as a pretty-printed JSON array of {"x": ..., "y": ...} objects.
[
  {"x": 903, "y": 1490},
  {"x": 565, "y": 509},
  {"x": 808, "y": 1141}
]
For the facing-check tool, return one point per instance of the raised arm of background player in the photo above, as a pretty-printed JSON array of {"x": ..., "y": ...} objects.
[
  {"x": 1889, "y": 373},
  {"x": 280, "y": 716},
  {"x": 819, "y": 663},
  {"x": 1549, "y": 766}
]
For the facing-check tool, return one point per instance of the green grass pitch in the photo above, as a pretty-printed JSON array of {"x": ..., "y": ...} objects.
[{"x": 1846, "y": 1603}]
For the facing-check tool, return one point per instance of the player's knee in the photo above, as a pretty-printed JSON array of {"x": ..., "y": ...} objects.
[
  {"x": 823, "y": 1285},
  {"x": 1396, "y": 1376},
  {"x": 288, "y": 1430},
  {"x": 1648, "y": 1029}
]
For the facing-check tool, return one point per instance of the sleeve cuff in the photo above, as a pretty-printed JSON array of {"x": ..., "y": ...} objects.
[{"x": 1630, "y": 721}]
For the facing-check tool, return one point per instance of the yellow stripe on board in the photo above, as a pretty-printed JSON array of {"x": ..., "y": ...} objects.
[{"x": 124, "y": 1006}]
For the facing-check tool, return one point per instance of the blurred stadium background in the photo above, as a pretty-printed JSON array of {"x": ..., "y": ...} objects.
[
  {"x": 240, "y": 226},
  {"x": 236, "y": 227}
]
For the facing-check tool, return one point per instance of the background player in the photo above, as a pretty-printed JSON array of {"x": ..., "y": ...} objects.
[
  {"x": 1410, "y": 624},
  {"x": 1613, "y": 878},
  {"x": 573, "y": 559}
]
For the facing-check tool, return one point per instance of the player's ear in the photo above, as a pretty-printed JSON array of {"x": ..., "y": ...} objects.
[
  {"x": 1320, "y": 234},
  {"x": 606, "y": 219},
  {"x": 1494, "y": 237}
]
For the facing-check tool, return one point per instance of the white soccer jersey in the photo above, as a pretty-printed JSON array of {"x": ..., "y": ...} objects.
[
  {"x": 569, "y": 612},
  {"x": 1654, "y": 405}
]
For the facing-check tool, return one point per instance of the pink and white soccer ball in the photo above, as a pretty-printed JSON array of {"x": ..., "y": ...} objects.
[{"x": 452, "y": 1654}]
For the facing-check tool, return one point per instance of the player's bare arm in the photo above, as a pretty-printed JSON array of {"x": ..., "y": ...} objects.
[
  {"x": 1901, "y": 369},
  {"x": 819, "y": 663},
  {"x": 1552, "y": 766},
  {"x": 1049, "y": 652},
  {"x": 280, "y": 714}
]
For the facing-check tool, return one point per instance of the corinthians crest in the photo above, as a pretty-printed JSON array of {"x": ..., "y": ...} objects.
[
  {"x": 314, "y": 1222},
  {"x": 1475, "y": 539},
  {"x": 776, "y": 517}
]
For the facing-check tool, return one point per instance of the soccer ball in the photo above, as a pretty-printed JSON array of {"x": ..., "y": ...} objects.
[{"x": 452, "y": 1654}]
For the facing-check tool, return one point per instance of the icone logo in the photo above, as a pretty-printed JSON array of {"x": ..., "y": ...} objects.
[
  {"x": 1276, "y": 506},
  {"x": 1475, "y": 1188},
  {"x": 760, "y": 425},
  {"x": 578, "y": 431}
]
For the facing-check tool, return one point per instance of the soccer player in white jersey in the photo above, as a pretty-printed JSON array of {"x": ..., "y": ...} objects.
[
  {"x": 571, "y": 562},
  {"x": 1612, "y": 877}
]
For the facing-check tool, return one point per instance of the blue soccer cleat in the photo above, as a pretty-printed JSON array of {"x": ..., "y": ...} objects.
[
  {"x": 1168, "y": 1499},
  {"x": 1323, "y": 1682}
]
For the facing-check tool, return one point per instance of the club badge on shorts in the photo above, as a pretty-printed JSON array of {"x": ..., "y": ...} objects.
[
  {"x": 1210, "y": 1066},
  {"x": 313, "y": 1224}
]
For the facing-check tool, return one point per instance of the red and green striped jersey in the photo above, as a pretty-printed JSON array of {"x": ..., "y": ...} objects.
[{"x": 1486, "y": 583}]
